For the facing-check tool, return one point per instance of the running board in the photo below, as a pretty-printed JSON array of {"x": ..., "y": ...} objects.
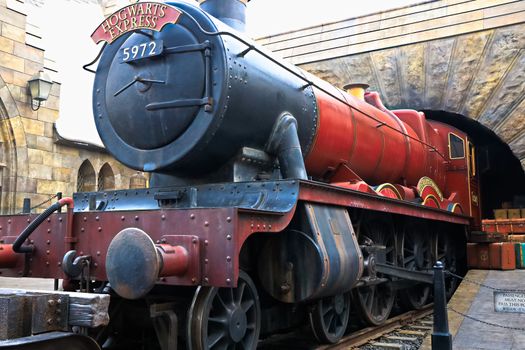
[
  {"x": 51, "y": 341},
  {"x": 418, "y": 276}
]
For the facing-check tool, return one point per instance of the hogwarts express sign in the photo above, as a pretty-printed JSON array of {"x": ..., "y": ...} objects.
[{"x": 143, "y": 15}]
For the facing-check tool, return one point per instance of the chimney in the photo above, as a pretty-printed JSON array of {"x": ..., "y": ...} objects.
[{"x": 231, "y": 12}]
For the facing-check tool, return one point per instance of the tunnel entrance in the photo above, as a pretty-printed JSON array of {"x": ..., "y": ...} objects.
[{"x": 502, "y": 178}]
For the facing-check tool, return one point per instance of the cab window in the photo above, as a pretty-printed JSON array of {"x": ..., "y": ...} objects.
[{"x": 456, "y": 146}]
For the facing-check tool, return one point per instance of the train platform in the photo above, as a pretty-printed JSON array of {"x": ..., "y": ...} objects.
[{"x": 473, "y": 321}]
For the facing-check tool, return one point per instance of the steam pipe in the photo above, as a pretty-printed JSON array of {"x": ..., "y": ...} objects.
[{"x": 284, "y": 143}]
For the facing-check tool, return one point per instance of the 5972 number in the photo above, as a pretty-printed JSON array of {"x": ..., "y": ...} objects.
[{"x": 144, "y": 50}]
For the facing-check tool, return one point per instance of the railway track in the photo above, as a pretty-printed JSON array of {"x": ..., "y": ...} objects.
[{"x": 399, "y": 332}]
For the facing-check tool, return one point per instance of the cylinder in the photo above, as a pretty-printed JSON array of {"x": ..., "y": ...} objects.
[{"x": 8, "y": 257}]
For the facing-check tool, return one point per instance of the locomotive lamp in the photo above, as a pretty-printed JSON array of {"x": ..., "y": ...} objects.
[{"x": 39, "y": 87}]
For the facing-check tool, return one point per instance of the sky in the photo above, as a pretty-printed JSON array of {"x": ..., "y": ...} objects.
[{"x": 73, "y": 47}]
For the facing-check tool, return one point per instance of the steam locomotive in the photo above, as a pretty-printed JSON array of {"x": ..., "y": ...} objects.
[{"x": 275, "y": 200}]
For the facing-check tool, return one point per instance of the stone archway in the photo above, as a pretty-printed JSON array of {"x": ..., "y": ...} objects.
[{"x": 13, "y": 154}]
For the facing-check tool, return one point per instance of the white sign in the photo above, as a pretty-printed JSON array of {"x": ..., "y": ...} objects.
[{"x": 509, "y": 302}]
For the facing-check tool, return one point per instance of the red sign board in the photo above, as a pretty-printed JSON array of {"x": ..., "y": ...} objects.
[{"x": 142, "y": 15}]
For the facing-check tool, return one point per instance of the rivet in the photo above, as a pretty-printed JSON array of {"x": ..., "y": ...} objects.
[
  {"x": 193, "y": 280},
  {"x": 48, "y": 230},
  {"x": 206, "y": 242},
  {"x": 251, "y": 225},
  {"x": 48, "y": 219},
  {"x": 48, "y": 242},
  {"x": 205, "y": 261},
  {"x": 269, "y": 226},
  {"x": 60, "y": 219},
  {"x": 47, "y": 263},
  {"x": 163, "y": 240},
  {"x": 31, "y": 241},
  {"x": 51, "y": 302},
  {"x": 228, "y": 259},
  {"x": 192, "y": 216},
  {"x": 47, "y": 252},
  {"x": 122, "y": 218},
  {"x": 206, "y": 223},
  {"x": 229, "y": 219},
  {"x": 163, "y": 217},
  {"x": 82, "y": 229},
  {"x": 228, "y": 281},
  {"x": 98, "y": 252},
  {"x": 28, "y": 220},
  {"x": 50, "y": 321},
  {"x": 95, "y": 264},
  {"x": 136, "y": 218},
  {"x": 85, "y": 218},
  {"x": 228, "y": 237},
  {"x": 206, "y": 280},
  {"x": 97, "y": 218},
  {"x": 59, "y": 263},
  {"x": 9, "y": 221},
  {"x": 194, "y": 241},
  {"x": 99, "y": 229}
]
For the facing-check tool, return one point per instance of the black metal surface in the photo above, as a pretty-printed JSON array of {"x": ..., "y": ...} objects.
[
  {"x": 17, "y": 245},
  {"x": 273, "y": 196},
  {"x": 329, "y": 318},
  {"x": 284, "y": 143},
  {"x": 51, "y": 341},
  {"x": 165, "y": 322},
  {"x": 248, "y": 95},
  {"x": 224, "y": 318},
  {"x": 132, "y": 263},
  {"x": 406, "y": 274},
  {"x": 441, "y": 337},
  {"x": 326, "y": 247}
]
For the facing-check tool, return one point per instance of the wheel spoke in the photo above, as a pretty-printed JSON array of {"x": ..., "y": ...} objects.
[
  {"x": 215, "y": 338},
  {"x": 240, "y": 292},
  {"x": 247, "y": 305}
]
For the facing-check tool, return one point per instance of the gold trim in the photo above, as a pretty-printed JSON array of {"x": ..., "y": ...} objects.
[
  {"x": 426, "y": 181},
  {"x": 434, "y": 198},
  {"x": 388, "y": 185},
  {"x": 450, "y": 151}
]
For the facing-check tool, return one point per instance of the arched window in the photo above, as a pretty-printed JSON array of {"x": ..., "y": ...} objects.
[
  {"x": 86, "y": 179},
  {"x": 106, "y": 178}
]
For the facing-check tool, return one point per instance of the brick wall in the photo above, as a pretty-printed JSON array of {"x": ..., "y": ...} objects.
[{"x": 32, "y": 163}]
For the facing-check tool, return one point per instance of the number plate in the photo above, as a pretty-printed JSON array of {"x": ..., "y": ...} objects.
[{"x": 140, "y": 51}]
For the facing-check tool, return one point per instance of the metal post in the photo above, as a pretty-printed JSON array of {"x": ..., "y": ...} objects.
[
  {"x": 26, "y": 207},
  {"x": 441, "y": 337},
  {"x": 59, "y": 197}
]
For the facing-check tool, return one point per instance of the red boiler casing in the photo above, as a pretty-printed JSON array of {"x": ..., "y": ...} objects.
[{"x": 372, "y": 142}]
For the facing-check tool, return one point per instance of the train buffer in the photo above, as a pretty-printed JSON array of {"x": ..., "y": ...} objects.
[{"x": 486, "y": 311}]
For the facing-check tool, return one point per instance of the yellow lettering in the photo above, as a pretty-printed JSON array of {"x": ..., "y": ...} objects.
[
  {"x": 148, "y": 9},
  {"x": 140, "y": 10},
  {"x": 112, "y": 32},
  {"x": 133, "y": 22},
  {"x": 148, "y": 23},
  {"x": 161, "y": 10},
  {"x": 106, "y": 26},
  {"x": 132, "y": 10},
  {"x": 141, "y": 21},
  {"x": 121, "y": 15},
  {"x": 154, "y": 21},
  {"x": 125, "y": 24},
  {"x": 113, "y": 19}
]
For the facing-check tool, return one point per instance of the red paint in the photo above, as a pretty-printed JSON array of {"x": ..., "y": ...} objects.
[
  {"x": 8, "y": 258},
  {"x": 143, "y": 15},
  {"x": 175, "y": 260}
]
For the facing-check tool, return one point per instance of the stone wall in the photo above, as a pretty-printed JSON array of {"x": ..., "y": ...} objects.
[
  {"x": 464, "y": 57},
  {"x": 32, "y": 163}
]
